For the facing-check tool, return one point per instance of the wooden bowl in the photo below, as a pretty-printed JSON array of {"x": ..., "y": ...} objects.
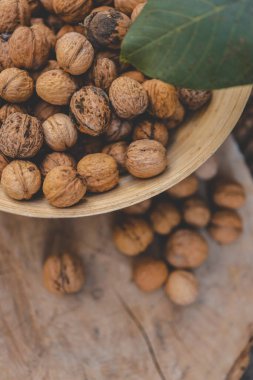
[{"x": 195, "y": 142}]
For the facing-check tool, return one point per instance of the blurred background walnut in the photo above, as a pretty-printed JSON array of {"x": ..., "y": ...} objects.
[
  {"x": 185, "y": 188},
  {"x": 226, "y": 226},
  {"x": 149, "y": 274},
  {"x": 182, "y": 288},
  {"x": 164, "y": 217},
  {"x": 196, "y": 212},
  {"x": 228, "y": 193}
]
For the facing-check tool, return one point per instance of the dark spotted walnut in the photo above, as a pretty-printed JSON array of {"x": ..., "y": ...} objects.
[{"x": 194, "y": 99}]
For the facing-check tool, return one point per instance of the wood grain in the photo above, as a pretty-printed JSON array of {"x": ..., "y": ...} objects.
[
  {"x": 196, "y": 141},
  {"x": 111, "y": 330}
]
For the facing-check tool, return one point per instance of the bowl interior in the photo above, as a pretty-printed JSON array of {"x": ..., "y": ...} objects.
[{"x": 195, "y": 142}]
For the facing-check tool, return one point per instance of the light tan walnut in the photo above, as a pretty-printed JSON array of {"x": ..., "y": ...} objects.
[
  {"x": 196, "y": 212},
  {"x": 229, "y": 194},
  {"x": 126, "y": 6},
  {"x": 150, "y": 274},
  {"x": 182, "y": 288},
  {"x": 164, "y": 217},
  {"x": 52, "y": 160},
  {"x": 72, "y": 11},
  {"x": 69, "y": 28},
  {"x": 16, "y": 86},
  {"x": 137, "y": 11},
  {"x": 152, "y": 130},
  {"x": 226, "y": 226},
  {"x": 134, "y": 74},
  {"x": 13, "y": 13},
  {"x": 185, "y": 188}
]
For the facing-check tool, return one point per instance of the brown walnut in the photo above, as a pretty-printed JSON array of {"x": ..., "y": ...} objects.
[
  {"x": 118, "y": 151},
  {"x": 8, "y": 109},
  {"x": 91, "y": 110},
  {"x": 51, "y": 65},
  {"x": 177, "y": 117},
  {"x": 13, "y": 13},
  {"x": 182, "y": 288},
  {"x": 118, "y": 129},
  {"x": 150, "y": 274},
  {"x": 21, "y": 180},
  {"x": 69, "y": 28},
  {"x": 72, "y": 11},
  {"x": 104, "y": 72},
  {"x": 226, "y": 226},
  {"x": 194, "y": 99},
  {"x": 44, "y": 110},
  {"x": 5, "y": 59},
  {"x": 52, "y": 160},
  {"x": 185, "y": 188},
  {"x": 229, "y": 194},
  {"x": 164, "y": 217},
  {"x": 126, "y": 6},
  {"x": 134, "y": 74},
  {"x": 139, "y": 208},
  {"x": 152, "y": 130},
  {"x": 16, "y": 86},
  {"x": 196, "y": 212},
  {"x": 21, "y": 136}
]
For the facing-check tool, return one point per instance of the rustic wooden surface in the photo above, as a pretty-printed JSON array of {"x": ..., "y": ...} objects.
[
  {"x": 111, "y": 330},
  {"x": 195, "y": 142}
]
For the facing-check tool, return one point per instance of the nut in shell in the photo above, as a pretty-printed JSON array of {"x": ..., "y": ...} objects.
[
  {"x": 72, "y": 11},
  {"x": 139, "y": 208},
  {"x": 5, "y": 59},
  {"x": 118, "y": 151},
  {"x": 182, "y": 288},
  {"x": 152, "y": 130},
  {"x": 118, "y": 129},
  {"x": 21, "y": 180},
  {"x": 8, "y": 109},
  {"x": 194, "y": 99},
  {"x": 16, "y": 86},
  {"x": 137, "y": 11},
  {"x": 196, "y": 212},
  {"x": 52, "y": 160},
  {"x": 13, "y": 13},
  {"x": 185, "y": 188},
  {"x": 229, "y": 194},
  {"x": 3, "y": 163},
  {"x": 44, "y": 110},
  {"x": 104, "y": 72},
  {"x": 226, "y": 226},
  {"x": 134, "y": 74},
  {"x": 126, "y": 6},
  {"x": 149, "y": 274},
  {"x": 164, "y": 217}
]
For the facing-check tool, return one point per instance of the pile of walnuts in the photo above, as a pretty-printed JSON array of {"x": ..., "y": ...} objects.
[
  {"x": 164, "y": 235},
  {"x": 73, "y": 117}
]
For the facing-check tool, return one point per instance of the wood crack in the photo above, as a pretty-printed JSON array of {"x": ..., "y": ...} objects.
[{"x": 145, "y": 336}]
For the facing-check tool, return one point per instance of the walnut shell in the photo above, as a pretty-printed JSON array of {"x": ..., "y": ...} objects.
[
  {"x": 209, "y": 169},
  {"x": 104, "y": 72},
  {"x": 182, "y": 288},
  {"x": 149, "y": 274},
  {"x": 21, "y": 180},
  {"x": 63, "y": 187},
  {"x": 107, "y": 28},
  {"x": 52, "y": 160},
  {"x": 137, "y": 11},
  {"x": 226, "y": 226},
  {"x": 139, "y": 208},
  {"x": 196, "y": 212},
  {"x": 29, "y": 47},
  {"x": 13, "y": 13},
  {"x": 229, "y": 194},
  {"x": 5, "y": 59},
  {"x": 126, "y": 6},
  {"x": 91, "y": 110},
  {"x": 132, "y": 236},
  {"x": 63, "y": 274},
  {"x": 3, "y": 163},
  {"x": 128, "y": 97},
  {"x": 118, "y": 151},
  {"x": 186, "y": 249},
  {"x": 163, "y": 98},
  {"x": 21, "y": 136},
  {"x": 164, "y": 217},
  {"x": 8, "y": 109},
  {"x": 16, "y": 86},
  {"x": 55, "y": 87},
  {"x": 185, "y": 188},
  {"x": 194, "y": 99},
  {"x": 146, "y": 158},
  {"x": 72, "y": 11},
  {"x": 44, "y": 110},
  {"x": 59, "y": 132},
  {"x": 134, "y": 74},
  {"x": 100, "y": 172},
  {"x": 151, "y": 130},
  {"x": 177, "y": 117},
  {"x": 118, "y": 129},
  {"x": 48, "y": 33},
  {"x": 69, "y": 28},
  {"x": 74, "y": 53}
]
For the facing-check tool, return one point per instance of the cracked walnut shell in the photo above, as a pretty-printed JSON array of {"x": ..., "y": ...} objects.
[
  {"x": 226, "y": 226},
  {"x": 229, "y": 194},
  {"x": 164, "y": 217},
  {"x": 182, "y": 288},
  {"x": 72, "y": 11},
  {"x": 21, "y": 136},
  {"x": 132, "y": 236},
  {"x": 186, "y": 249},
  {"x": 21, "y": 180},
  {"x": 63, "y": 274},
  {"x": 150, "y": 274},
  {"x": 152, "y": 130},
  {"x": 13, "y": 13},
  {"x": 91, "y": 110},
  {"x": 146, "y": 158},
  {"x": 63, "y": 187},
  {"x": 16, "y": 86},
  {"x": 128, "y": 97},
  {"x": 52, "y": 160},
  {"x": 74, "y": 53},
  {"x": 100, "y": 172}
]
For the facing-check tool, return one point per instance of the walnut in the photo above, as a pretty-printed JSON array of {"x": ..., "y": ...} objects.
[
  {"x": 126, "y": 6},
  {"x": 163, "y": 98},
  {"x": 186, "y": 249},
  {"x": 185, "y": 188},
  {"x": 63, "y": 187},
  {"x": 134, "y": 74},
  {"x": 128, "y": 97},
  {"x": 118, "y": 129},
  {"x": 16, "y": 86},
  {"x": 63, "y": 274},
  {"x": 70, "y": 28},
  {"x": 107, "y": 28},
  {"x": 21, "y": 180},
  {"x": 177, "y": 117},
  {"x": 8, "y": 109},
  {"x": 194, "y": 99},
  {"x": 226, "y": 226},
  {"x": 55, "y": 87},
  {"x": 52, "y": 160},
  {"x": 3, "y": 163},
  {"x": 196, "y": 212},
  {"x": 139, "y": 208},
  {"x": 208, "y": 170},
  {"x": 74, "y": 53},
  {"x": 104, "y": 72},
  {"x": 152, "y": 130},
  {"x": 146, "y": 158},
  {"x": 100, "y": 172},
  {"x": 150, "y": 274},
  {"x": 72, "y": 11},
  {"x": 91, "y": 110},
  {"x": 48, "y": 33},
  {"x": 118, "y": 151},
  {"x": 48, "y": 5},
  {"x": 132, "y": 235},
  {"x": 137, "y": 11},
  {"x": 164, "y": 217},
  {"x": 21, "y": 136},
  {"x": 29, "y": 47},
  {"x": 5, "y": 59},
  {"x": 182, "y": 287},
  {"x": 13, "y": 13},
  {"x": 44, "y": 110},
  {"x": 51, "y": 65},
  {"x": 229, "y": 194},
  {"x": 59, "y": 132}
]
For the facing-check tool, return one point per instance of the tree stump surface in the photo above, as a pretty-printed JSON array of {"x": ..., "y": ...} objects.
[{"x": 111, "y": 330}]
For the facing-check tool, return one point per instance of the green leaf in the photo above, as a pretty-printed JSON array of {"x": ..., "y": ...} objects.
[{"x": 204, "y": 44}]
